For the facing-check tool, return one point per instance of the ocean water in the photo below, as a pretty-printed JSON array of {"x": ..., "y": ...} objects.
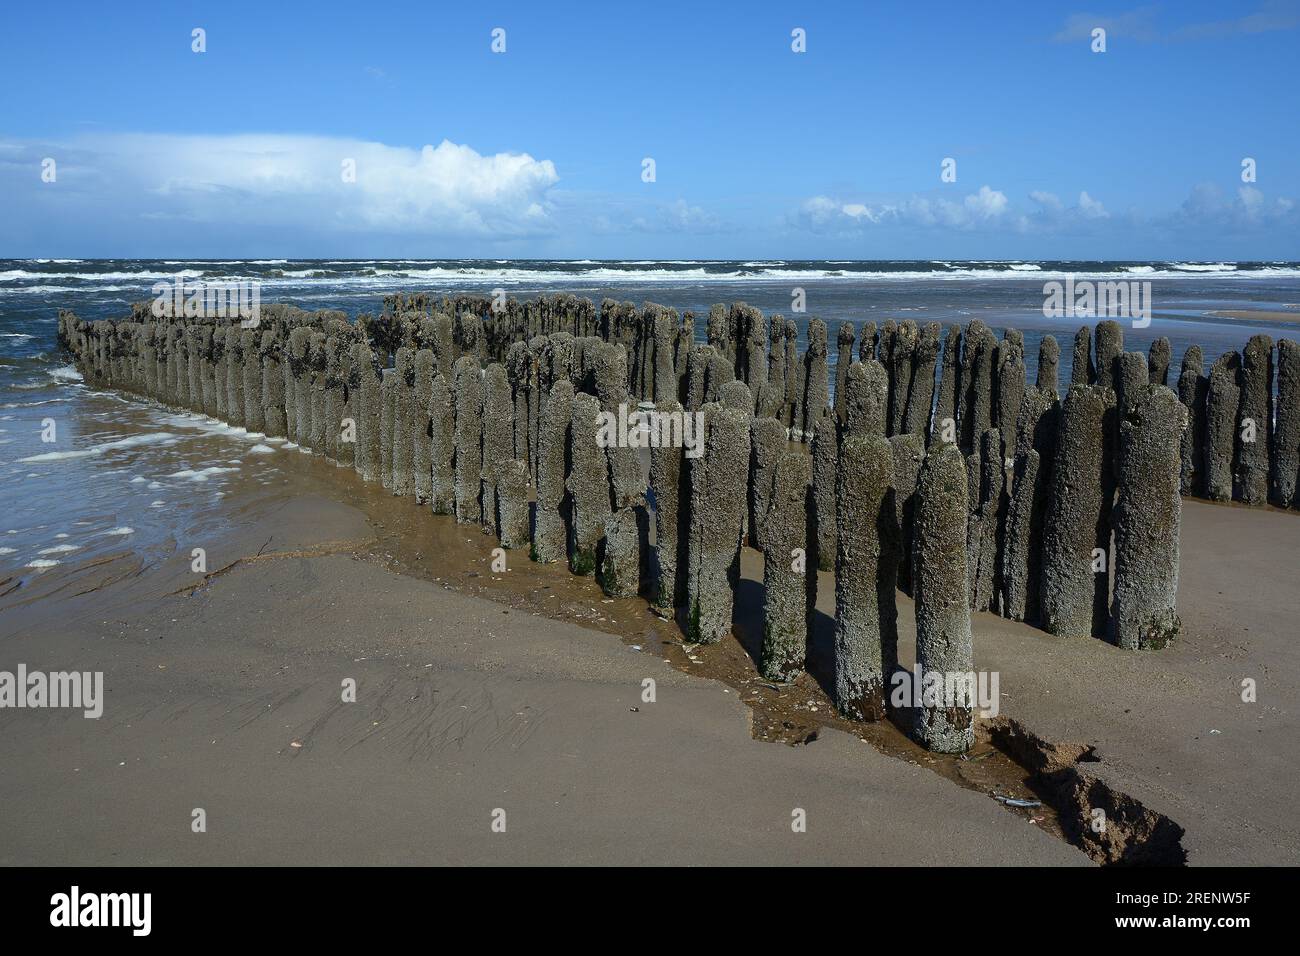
[{"x": 87, "y": 476}]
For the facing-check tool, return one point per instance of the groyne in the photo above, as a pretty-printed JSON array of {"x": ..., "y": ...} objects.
[{"x": 933, "y": 467}]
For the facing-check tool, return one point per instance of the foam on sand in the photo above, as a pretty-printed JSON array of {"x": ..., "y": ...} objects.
[
  {"x": 207, "y": 426},
  {"x": 94, "y": 451},
  {"x": 202, "y": 474}
]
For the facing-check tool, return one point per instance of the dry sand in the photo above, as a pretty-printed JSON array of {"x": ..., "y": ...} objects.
[
  {"x": 463, "y": 707},
  {"x": 227, "y": 696}
]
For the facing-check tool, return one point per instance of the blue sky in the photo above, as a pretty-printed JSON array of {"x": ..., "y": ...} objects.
[{"x": 759, "y": 151}]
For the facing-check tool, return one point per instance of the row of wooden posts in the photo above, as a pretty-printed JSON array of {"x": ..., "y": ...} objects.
[{"x": 500, "y": 417}]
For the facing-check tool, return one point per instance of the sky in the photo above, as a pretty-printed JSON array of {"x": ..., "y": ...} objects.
[{"x": 368, "y": 130}]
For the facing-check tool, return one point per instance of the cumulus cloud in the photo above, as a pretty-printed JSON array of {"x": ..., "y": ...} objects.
[
  {"x": 1046, "y": 200},
  {"x": 821, "y": 213},
  {"x": 1246, "y": 209},
  {"x": 678, "y": 216},
  {"x": 1050, "y": 213},
  {"x": 1090, "y": 208},
  {"x": 1208, "y": 210},
  {"x": 307, "y": 181}
]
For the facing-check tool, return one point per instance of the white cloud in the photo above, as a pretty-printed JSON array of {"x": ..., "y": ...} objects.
[
  {"x": 1208, "y": 210},
  {"x": 297, "y": 180},
  {"x": 986, "y": 204},
  {"x": 1090, "y": 208},
  {"x": 1052, "y": 214},
  {"x": 1249, "y": 209},
  {"x": 821, "y": 213},
  {"x": 679, "y": 216}
]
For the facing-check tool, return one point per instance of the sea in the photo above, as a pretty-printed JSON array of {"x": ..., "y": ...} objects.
[{"x": 90, "y": 478}]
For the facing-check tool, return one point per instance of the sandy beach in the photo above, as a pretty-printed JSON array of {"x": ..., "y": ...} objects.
[
  {"x": 229, "y": 700},
  {"x": 522, "y": 692}
]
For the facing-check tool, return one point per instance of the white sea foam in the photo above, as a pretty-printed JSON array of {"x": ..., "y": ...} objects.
[
  {"x": 115, "y": 397},
  {"x": 206, "y": 425},
  {"x": 59, "y": 549},
  {"x": 371, "y": 274},
  {"x": 64, "y": 373},
  {"x": 65, "y": 289},
  {"x": 16, "y": 274},
  {"x": 202, "y": 474},
  {"x": 7, "y": 550},
  {"x": 94, "y": 451},
  {"x": 1204, "y": 266},
  {"x": 120, "y": 532},
  {"x": 260, "y": 449},
  {"x": 44, "y": 401},
  {"x": 42, "y": 563}
]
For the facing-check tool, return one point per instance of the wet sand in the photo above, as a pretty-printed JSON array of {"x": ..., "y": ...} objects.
[
  {"x": 1257, "y": 315},
  {"x": 229, "y": 699},
  {"x": 522, "y": 691}
]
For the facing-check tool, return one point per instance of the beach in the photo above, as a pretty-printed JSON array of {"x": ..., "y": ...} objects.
[
  {"x": 346, "y": 677},
  {"x": 229, "y": 701},
  {"x": 522, "y": 691}
]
